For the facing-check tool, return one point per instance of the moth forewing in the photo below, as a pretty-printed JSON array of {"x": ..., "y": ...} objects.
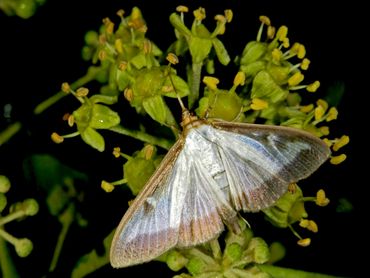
[{"x": 120, "y": 254}]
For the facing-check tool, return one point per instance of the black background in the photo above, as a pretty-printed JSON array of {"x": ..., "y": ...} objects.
[{"x": 40, "y": 53}]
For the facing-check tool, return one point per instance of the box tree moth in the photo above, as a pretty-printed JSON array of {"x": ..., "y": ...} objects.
[{"x": 214, "y": 170}]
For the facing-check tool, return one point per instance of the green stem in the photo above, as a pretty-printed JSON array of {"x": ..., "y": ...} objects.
[
  {"x": 89, "y": 76},
  {"x": 9, "y": 132},
  {"x": 12, "y": 216},
  {"x": 7, "y": 267},
  {"x": 281, "y": 272},
  {"x": 66, "y": 219},
  {"x": 142, "y": 136},
  {"x": 195, "y": 83}
]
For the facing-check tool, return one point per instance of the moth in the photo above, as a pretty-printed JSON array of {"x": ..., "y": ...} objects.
[{"x": 214, "y": 170}]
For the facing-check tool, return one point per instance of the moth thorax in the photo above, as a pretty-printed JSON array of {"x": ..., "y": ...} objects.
[{"x": 187, "y": 118}]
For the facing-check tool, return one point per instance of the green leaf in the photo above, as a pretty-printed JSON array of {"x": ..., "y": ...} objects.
[
  {"x": 93, "y": 138},
  {"x": 156, "y": 108},
  {"x": 221, "y": 52}
]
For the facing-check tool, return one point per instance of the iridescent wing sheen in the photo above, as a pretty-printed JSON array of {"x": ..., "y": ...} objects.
[{"x": 260, "y": 161}]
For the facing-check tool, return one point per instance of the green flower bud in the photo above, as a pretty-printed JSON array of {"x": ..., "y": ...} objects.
[
  {"x": 260, "y": 250},
  {"x": 30, "y": 207},
  {"x": 221, "y": 105},
  {"x": 277, "y": 252},
  {"x": 3, "y": 202},
  {"x": 4, "y": 184},
  {"x": 232, "y": 253},
  {"x": 175, "y": 260},
  {"x": 91, "y": 38},
  {"x": 196, "y": 266},
  {"x": 23, "y": 247}
]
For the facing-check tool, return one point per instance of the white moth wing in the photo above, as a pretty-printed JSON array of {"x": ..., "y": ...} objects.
[
  {"x": 182, "y": 205},
  {"x": 261, "y": 161},
  {"x": 145, "y": 230}
]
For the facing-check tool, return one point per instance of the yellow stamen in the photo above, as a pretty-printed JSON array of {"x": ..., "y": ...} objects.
[
  {"x": 118, "y": 45},
  {"x": 172, "y": 58},
  {"x": 313, "y": 87},
  {"x": 71, "y": 120},
  {"x": 265, "y": 20},
  {"x": 338, "y": 159},
  {"x": 292, "y": 188},
  {"x": 323, "y": 103},
  {"x": 229, "y": 15},
  {"x": 282, "y": 33},
  {"x": 312, "y": 226},
  {"x": 220, "y": 18},
  {"x": 321, "y": 199},
  {"x": 301, "y": 51},
  {"x": 117, "y": 152},
  {"x": 295, "y": 47},
  {"x": 319, "y": 113},
  {"x": 259, "y": 104},
  {"x": 295, "y": 79},
  {"x": 286, "y": 43},
  {"x": 276, "y": 54},
  {"x": 305, "y": 63},
  {"x": 82, "y": 92},
  {"x": 307, "y": 108},
  {"x": 182, "y": 9},
  {"x": 342, "y": 141},
  {"x": 148, "y": 151},
  {"x": 66, "y": 88},
  {"x": 271, "y": 32},
  {"x": 327, "y": 142},
  {"x": 211, "y": 82},
  {"x": 128, "y": 94},
  {"x": 147, "y": 47},
  {"x": 332, "y": 114},
  {"x": 122, "y": 66},
  {"x": 324, "y": 130},
  {"x": 200, "y": 14},
  {"x": 109, "y": 25},
  {"x": 102, "y": 55},
  {"x": 56, "y": 138},
  {"x": 239, "y": 79},
  {"x": 303, "y": 223},
  {"x": 120, "y": 12},
  {"x": 107, "y": 187},
  {"x": 304, "y": 242}
]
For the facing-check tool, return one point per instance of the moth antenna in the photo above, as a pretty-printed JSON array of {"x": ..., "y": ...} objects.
[{"x": 173, "y": 59}]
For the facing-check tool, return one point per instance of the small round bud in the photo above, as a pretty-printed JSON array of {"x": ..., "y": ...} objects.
[
  {"x": 3, "y": 202},
  {"x": 4, "y": 184},
  {"x": 175, "y": 260},
  {"x": 30, "y": 207},
  {"x": 23, "y": 247}
]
